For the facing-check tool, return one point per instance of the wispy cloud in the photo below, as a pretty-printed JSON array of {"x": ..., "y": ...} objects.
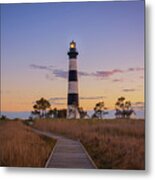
[
  {"x": 57, "y": 103},
  {"x": 117, "y": 80},
  {"x": 54, "y": 72},
  {"x": 60, "y": 100},
  {"x": 92, "y": 98},
  {"x": 57, "y": 99},
  {"x": 138, "y": 105},
  {"x": 34, "y": 66},
  {"x": 135, "y": 69},
  {"x": 81, "y": 73},
  {"x": 61, "y": 73},
  {"x": 82, "y": 98},
  {"x": 128, "y": 90},
  {"x": 105, "y": 74},
  {"x": 131, "y": 69},
  {"x": 64, "y": 74}
]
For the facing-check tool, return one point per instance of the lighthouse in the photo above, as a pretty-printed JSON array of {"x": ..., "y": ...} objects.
[{"x": 73, "y": 97}]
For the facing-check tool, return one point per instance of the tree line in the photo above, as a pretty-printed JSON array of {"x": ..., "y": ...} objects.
[{"x": 42, "y": 109}]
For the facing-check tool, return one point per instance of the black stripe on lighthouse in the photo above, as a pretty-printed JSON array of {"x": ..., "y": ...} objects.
[
  {"x": 72, "y": 54},
  {"x": 72, "y": 75},
  {"x": 73, "y": 99}
]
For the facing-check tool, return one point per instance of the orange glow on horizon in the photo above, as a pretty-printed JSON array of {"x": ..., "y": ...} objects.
[{"x": 19, "y": 104}]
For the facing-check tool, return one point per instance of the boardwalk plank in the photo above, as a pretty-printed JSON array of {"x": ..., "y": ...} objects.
[{"x": 68, "y": 153}]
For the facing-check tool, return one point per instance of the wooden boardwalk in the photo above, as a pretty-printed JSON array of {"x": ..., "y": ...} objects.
[{"x": 68, "y": 153}]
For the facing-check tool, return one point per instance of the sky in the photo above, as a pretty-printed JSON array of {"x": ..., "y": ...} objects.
[{"x": 34, "y": 44}]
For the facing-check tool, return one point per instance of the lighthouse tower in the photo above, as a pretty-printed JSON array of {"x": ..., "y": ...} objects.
[{"x": 73, "y": 97}]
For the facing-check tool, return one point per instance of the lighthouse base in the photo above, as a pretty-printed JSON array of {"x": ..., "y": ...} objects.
[{"x": 72, "y": 112}]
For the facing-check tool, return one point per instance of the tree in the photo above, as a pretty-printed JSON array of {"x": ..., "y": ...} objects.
[
  {"x": 99, "y": 110},
  {"x": 35, "y": 114},
  {"x": 123, "y": 108},
  {"x": 62, "y": 113},
  {"x": 83, "y": 114},
  {"x": 50, "y": 114},
  {"x": 40, "y": 107},
  {"x": 55, "y": 113},
  {"x": 3, "y": 117}
]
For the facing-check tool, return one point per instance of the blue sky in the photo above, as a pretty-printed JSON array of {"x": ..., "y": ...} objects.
[{"x": 109, "y": 36}]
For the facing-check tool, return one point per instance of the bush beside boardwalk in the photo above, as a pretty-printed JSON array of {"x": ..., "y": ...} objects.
[
  {"x": 112, "y": 144},
  {"x": 21, "y": 147}
]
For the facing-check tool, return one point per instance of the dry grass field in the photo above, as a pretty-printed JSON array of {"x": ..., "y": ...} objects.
[
  {"x": 112, "y": 144},
  {"x": 20, "y": 147}
]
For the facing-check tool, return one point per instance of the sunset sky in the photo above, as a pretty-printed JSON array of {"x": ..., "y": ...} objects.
[{"x": 34, "y": 43}]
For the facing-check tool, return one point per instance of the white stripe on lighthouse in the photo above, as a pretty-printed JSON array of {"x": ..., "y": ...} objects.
[
  {"x": 73, "y": 87},
  {"x": 72, "y": 64}
]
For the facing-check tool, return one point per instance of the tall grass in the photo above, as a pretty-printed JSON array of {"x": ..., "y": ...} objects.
[
  {"x": 112, "y": 144},
  {"x": 21, "y": 147}
]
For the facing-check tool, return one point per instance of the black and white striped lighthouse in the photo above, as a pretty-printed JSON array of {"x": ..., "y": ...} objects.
[{"x": 73, "y": 97}]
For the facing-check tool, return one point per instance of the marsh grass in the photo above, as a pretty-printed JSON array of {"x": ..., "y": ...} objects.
[
  {"x": 21, "y": 147},
  {"x": 112, "y": 144}
]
